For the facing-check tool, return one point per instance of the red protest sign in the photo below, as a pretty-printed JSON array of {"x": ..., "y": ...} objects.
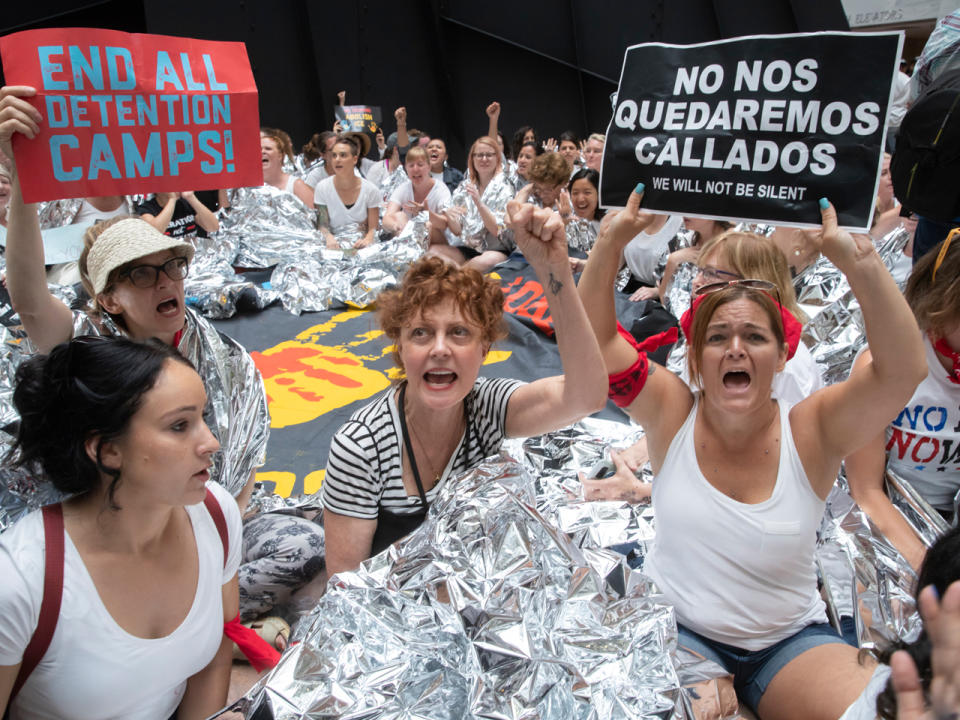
[{"x": 129, "y": 113}]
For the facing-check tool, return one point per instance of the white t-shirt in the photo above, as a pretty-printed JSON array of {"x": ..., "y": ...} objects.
[
  {"x": 923, "y": 441},
  {"x": 316, "y": 175},
  {"x": 88, "y": 214},
  {"x": 339, "y": 214},
  {"x": 93, "y": 668},
  {"x": 643, "y": 252},
  {"x": 437, "y": 198}
]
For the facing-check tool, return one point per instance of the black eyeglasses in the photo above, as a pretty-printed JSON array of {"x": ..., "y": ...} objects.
[
  {"x": 145, "y": 276},
  {"x": 764, "y": 286}
]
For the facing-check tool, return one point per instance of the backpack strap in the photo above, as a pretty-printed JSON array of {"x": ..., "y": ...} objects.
[
  {"x": 53, "y": 537},
  {"x": 216, "y": 512}
]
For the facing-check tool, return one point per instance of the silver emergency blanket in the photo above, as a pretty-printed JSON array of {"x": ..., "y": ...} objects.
[
  {"x": 236, "y": 409},
  {"x": 213, "y": 287},
  {"x": 267, "y": 225},
  {"x": 310, "y": 283},
  {"x": 473, "y": 233},
  {"x": 582, "y": 233},
  {"x": 834, "y": 332},
  {"x": 57, "y": 213},
  {"x": 503, "y": 604}
]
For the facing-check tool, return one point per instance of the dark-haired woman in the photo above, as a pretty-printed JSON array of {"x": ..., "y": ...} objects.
[
  {"x": 147, "y": 581},
  {"x": 922, "y": 442},
  {"x": 741, "y": 478},
  {"x": 523, "y": 135},
  {"x": 569, "y": 148},
  {"x": 389, "y": 461},
  {"x": 348, "y": 207},
  {"x": 134, "y": 275},
  {"x": 583, "y": 220}
]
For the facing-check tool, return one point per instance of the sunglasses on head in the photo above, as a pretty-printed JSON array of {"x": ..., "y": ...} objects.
[
  {"x": 145, "y": 276},
  {"x": 764, "y": 286}
]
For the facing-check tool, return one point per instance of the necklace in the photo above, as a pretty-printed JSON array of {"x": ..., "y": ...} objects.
[
  {"x": 431, "y": 466},
  {"x": 948, "y": 352}
]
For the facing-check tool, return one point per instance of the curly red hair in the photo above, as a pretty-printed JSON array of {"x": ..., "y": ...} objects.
[{"x": 429, "y": 282}]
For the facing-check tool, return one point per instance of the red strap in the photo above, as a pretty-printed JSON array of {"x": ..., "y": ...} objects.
[
  {"x": 53, "y": 537},
  {"x": 261, "y": 654},
  {"x": 213, "y": 507}
]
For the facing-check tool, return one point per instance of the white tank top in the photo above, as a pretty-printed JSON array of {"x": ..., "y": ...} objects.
[
  {"x": 736, "y": 573},
  {"x": 291, "y": 182},
  {"x": 923, "y": 441}
]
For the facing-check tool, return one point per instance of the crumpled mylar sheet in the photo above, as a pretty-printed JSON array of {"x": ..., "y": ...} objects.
[
  {"x": 236, "y": 410},
  {"x": 581, "y": 234},
  {"x": 213, "y": 287},
  {"x": 491, "y": 610},
  {"x": 864, "y": 575},
  {"x": 473, "y": 232},
  {"x": 321, "y": 280},
  {"x": 835, "y": 330},
  {"x": 267, "y": 225}
]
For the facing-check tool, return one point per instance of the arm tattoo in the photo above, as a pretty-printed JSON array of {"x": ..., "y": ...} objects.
[
  {"x": 323, "y": 217},
  {"x": 555, "y": 285}
]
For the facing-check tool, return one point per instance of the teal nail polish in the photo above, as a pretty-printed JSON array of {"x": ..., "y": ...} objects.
[
  {"x": 639, "y": 188},
  {"x": 824, "y": 203}
]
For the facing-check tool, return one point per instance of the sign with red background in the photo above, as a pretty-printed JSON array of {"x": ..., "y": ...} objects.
[{"x": 130, "y": 113}]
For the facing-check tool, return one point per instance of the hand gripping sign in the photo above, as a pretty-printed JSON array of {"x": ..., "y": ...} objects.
[
  {"x": 129, "y": 113},
  {"x": 755, "y": 128}
]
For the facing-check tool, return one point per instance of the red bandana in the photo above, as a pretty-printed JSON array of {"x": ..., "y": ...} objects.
[
  {"x": 791, "y": 326},
  {"x": 948, "y": 352}
]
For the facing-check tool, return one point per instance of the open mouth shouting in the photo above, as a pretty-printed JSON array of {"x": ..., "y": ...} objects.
[
  {"x": 439, "y": 378},
  {"x": 169, "y": 307},
  {"x": 736, "y": 380}
]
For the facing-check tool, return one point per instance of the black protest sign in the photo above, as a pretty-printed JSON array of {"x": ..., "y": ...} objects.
[
  {"x": 756, "y": 128},
  {"x": 359, "y": 118}
]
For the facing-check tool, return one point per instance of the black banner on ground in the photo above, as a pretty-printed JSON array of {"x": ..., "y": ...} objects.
[{"x": 756, "y": 128}]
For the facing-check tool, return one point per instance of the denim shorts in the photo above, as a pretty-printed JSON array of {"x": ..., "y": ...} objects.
[{"x": 753, "y": 670}]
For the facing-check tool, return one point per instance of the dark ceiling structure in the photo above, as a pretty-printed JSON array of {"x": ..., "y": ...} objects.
[{"x": 550, "y": 63}]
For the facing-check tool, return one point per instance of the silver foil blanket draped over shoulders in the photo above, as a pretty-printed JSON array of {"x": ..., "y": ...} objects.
[
  {"x": 236, "y": 409},
  {"x": 488, "y": 610}
]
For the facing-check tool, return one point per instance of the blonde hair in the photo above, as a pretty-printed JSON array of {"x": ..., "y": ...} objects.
[{"x": 758, "y": 258}]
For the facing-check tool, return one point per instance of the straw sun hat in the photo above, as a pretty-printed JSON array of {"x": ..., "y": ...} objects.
[{"x": 125, "y": 241}]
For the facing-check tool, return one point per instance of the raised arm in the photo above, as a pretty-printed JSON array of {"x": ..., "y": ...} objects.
[
  {"x": 865, "y": 470},
  {"x": 204, "y": 215},
  {"x": 551, "y": 403},
  {"x": 163, "y": 218},
  {"x": 665, "y": 399},
  {"x": 839, "y": 419},
  {"x": 47, "y": 321},
  {"x": 400, "y": 115},
  {"x": 493, "y": 119}
]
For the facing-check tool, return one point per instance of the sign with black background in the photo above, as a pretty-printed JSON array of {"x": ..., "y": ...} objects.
[{"x": 756, "y": 128}]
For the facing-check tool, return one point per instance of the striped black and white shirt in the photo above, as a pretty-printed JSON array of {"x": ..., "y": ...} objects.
[{"x": 364, "y": 469}]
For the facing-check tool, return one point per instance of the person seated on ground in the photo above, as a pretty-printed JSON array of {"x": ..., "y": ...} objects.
[
  {"x": 729, "y": 257},
  {"x": 549, "y": 176},
  {"x": 348, "y": 207},
  {"x": 421, "y": 192},
  {"x": 703, "y": 231},
  {"x": 439, "y": 168},
  {"x": 940, "y": 571},
  {"x": 476, "y": 212},
  {"x": 593, "y": 151},
  {"x": 389, "y": 461},
  {"x": 583, "y": 223},
  {"x": 524, "y": 161},
  {"x": 642, "y": 255},
  {"x": 887, "y": 218},
  {"x": 178, "y": 214},
  {"x": 275, "y": 147},
  {"x": 317, "y": 154},
  {"x": 134, "y": 275},
  {"x": 524, "y": 134},
  {"x": 569, "y": 148},
  {"x": 741, "y": 478},
  {"x": 148, "y": 581},
  {"x": 917, "y": 442}
]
